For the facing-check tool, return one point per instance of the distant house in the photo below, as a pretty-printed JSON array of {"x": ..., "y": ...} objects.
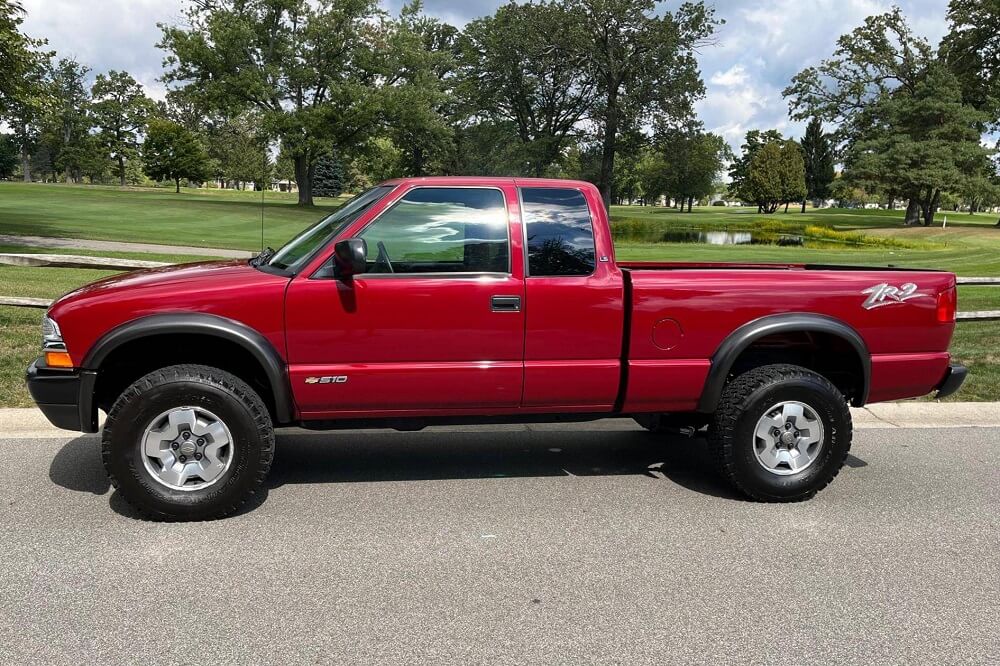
[{"x": 284, "y": 186}]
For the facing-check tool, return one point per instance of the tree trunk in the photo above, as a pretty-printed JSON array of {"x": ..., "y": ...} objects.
[
  {"x": 304, "y": 171},
  {"x": 803, "y": 205},
  {"x": 609, "y": 144},
  {"x": 912, "y": 212},
  {"x": 786, "y": 206},
  {"x": 25, "y": 165},
  {"x": 121, "y": 170},
  {"x": 931, "y": 208},
  {"x": 177, "y": 181},
  {"x": 690, "y": 203},
  {"x": 418, "y": 161}
]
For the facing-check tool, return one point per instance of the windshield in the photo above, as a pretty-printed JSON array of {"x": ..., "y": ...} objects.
[{"x": 296, "y": 252}]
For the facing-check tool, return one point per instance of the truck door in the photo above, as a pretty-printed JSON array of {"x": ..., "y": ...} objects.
[
  {"x": 435, "y": 325},
  {"x": 574, "y": 301}
]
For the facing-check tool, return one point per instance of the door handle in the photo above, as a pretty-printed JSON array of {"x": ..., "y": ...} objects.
[{"x": 505, "y": 303}]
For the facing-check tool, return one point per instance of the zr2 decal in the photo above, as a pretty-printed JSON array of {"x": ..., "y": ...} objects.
[
  {"x": 334, "y": 379},
  {"x": 885, "y": 294}
]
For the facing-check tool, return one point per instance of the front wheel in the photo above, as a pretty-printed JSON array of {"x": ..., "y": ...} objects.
[
  {"x": 188, "y": 442},
  {"x": 781, "y": 433}
]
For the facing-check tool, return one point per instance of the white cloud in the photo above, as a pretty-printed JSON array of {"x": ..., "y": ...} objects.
[
  {"x": 734, "y": 76},
  {"x": 106, "y": 34}
]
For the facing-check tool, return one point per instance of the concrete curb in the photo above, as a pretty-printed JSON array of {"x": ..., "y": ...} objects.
[{"x": 29, "y": 423}]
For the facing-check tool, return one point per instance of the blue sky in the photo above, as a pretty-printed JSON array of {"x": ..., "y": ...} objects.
[{"x": 762, "y": 45}]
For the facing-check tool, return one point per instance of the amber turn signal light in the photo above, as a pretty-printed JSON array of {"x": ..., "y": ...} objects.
[{"x": 58, "y": 359}]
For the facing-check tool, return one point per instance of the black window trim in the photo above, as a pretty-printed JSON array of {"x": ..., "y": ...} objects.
[
  {"x": 440, "y": 274},
  {"x": 524, "y": 229}
]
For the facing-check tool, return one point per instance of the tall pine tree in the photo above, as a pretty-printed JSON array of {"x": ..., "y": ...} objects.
[
  {"x": 817, "y": 151},
  {"x": 328, "y": 181}
]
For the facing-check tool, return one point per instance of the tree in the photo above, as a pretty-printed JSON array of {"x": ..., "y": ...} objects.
[
  {"x": 86, "y": 157},
  {"x": 817, "y": 152},
  {"x": 651, "y": 174},
  {"x": 776, "y": 175},
  {"x": 792, "y": 173},
  {"x": 419, "y": 110},
  {"x": 19, "y": 56},
  {"x": 171, "y": 151},
  {"x": 238, "y": 151},
  {"x": 903, "y": 123},
  {"x": 330, "y": 177},
  {"x": 378, "y": 160},
  {"x": 972, "y": 50},
  {"x": 120, "y": 109},
  {"x": 981, "y": 192},
  {"x": 920, "y": 144},
  {"x": 739, "y": 172},
  {"x": 694, "y": 159},
  {"x": 26, "y": 112},
  {"x": 8, "y": 156},
  {"x": 881, "y": 57},
  {"x": 640, "y": 62},
  {"x": 526, "y": 66},
  {"x": 315, "y": 71},
  {"x": 68, "y": 120}
]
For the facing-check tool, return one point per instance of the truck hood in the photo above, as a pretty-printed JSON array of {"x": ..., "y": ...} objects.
[
  {"x": 197, "y": 286},
  {"x": 208, "y": 272}
]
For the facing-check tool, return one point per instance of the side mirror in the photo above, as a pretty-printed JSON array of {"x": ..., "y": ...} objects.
[{"x": 350, "y": 257}]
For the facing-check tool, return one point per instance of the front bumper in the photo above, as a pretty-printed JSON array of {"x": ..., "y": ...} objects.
[
  {"x": 952, "y": 381},
  {"x": 66, "y": 397}
]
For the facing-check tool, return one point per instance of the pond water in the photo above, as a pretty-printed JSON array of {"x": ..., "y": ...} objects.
[{"x": 720, "y": 238}]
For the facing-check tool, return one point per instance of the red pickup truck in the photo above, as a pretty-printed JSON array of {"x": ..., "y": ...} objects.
[{"x": 456, "y": 300}]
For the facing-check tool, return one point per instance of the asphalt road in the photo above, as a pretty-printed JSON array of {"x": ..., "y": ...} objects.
[{"x": 566, "y": 545}]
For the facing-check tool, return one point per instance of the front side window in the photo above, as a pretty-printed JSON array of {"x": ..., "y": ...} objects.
[
  {"x": 296, "y": 252},
  {"x": 559, "y": 231},
  {"x": 441, "y": 230}
]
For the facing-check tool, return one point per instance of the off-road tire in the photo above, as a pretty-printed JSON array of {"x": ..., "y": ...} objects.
[
  {"x": 224, "y": 394},
  {"x": 745, "y": 399}
]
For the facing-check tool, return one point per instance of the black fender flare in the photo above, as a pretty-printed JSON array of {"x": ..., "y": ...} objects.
[
  {"x": 792, "y": 322},
  {"x": 200, "y": 323}
]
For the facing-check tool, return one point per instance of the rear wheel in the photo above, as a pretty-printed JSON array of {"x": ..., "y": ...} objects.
[
  {"x": 188, "y": 442},
  {"x": 781, "y": 433}
]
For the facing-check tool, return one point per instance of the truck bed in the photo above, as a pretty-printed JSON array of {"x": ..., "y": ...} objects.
[{"x": 682, "y": 312}]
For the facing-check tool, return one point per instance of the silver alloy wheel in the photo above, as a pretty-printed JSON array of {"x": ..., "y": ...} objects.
[
  {"x": 187, "y": 448},
  {"x": 788, "y": 438}
]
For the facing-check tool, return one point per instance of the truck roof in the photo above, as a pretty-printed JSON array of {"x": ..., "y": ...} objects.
[{"x": 489, "y": 181}]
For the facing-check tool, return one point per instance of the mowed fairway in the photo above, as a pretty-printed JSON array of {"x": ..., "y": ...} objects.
[
  {"x": 210, "y": 218},
  {"x": 969, "y": 246}
]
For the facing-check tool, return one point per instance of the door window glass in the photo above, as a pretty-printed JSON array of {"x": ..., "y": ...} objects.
[
  {"x": 559, "y": 231},
  {"x": 441, "y": 230}
]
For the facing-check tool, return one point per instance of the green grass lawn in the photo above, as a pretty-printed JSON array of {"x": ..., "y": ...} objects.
[
  {"x": 969, "y": 246},
  {"x": 209, "y": 218}
]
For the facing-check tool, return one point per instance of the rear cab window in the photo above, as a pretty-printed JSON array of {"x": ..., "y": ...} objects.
[{"x": 559, "y": 232}]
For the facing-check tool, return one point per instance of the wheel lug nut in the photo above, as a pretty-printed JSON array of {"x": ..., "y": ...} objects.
[
  {"x": 186, "y": 435},
  {"x": 174, "y": 446},
  {"x": 201, "y": 441},
  {"x": 197, "y": 456},
  {"x": 183, "y": 458}
]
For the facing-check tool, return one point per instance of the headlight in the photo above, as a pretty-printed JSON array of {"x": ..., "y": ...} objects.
[
  {"x": 51, "y": 335},
  {"x": 53, "y": 346}
]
